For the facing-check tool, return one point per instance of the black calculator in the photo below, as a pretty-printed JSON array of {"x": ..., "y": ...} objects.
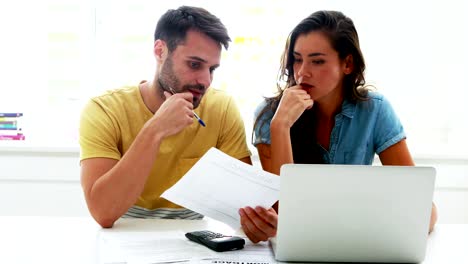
[{"x": 216, "y": 241}]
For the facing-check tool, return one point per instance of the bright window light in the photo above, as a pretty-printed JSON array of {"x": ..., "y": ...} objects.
[{"x": 69, "y": 50}]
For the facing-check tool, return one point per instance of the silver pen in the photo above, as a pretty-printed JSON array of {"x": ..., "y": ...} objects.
[{"x": 194, "y": 114}]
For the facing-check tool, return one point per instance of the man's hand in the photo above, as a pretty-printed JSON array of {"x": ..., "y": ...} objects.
[
  {"x": 175, "y": 114},
  {"x": 258, "y": 224}
]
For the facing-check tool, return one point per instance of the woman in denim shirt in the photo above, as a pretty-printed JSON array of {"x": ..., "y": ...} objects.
[{"x": 324, "y": 113}]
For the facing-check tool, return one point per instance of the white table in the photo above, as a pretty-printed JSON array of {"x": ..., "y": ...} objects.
[{"x": 75, "y": 240}]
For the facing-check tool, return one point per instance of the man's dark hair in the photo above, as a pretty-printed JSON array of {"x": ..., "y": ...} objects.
[{"x": 173, "y": 26}]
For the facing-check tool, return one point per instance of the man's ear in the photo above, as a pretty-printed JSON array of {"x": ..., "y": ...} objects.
[
  {"x": 348, "y": 65},
  {"x": 160, "y": 50}
]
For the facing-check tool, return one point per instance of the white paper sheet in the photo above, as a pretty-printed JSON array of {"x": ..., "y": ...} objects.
[
  {"x": 218, "y": 185},
  {"x": 150, "y": 247},
  {"x": 260, "y": 253},
  {"x": 172, "y": 247}
]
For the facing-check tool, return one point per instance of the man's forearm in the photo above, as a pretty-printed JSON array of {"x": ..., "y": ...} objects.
[{"x": 119, "y": 188}]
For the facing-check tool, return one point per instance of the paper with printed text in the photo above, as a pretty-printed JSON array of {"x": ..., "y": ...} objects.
[{"x": 218, "y": 185}]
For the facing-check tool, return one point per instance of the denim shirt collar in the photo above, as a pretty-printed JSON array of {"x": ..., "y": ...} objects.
[{"x": 348, "y": 108}]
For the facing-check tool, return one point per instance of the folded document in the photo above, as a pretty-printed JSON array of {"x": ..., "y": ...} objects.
[{"x": 218, "y": 185}]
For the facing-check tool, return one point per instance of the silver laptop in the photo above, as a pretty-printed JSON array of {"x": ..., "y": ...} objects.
[{"x": 353, "y": 213}]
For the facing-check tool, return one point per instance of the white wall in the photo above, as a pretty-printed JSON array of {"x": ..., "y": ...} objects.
[
  {"x": 46, "y": 182},
  {"x": 40, "y": 182},
  {"x": 451, "y": 194}
]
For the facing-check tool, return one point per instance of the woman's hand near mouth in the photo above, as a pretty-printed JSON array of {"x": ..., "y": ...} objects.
[{"x": 294, "y": 102}]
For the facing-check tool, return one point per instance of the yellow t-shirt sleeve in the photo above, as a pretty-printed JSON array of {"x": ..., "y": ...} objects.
[
  {"x": 99, "y": 137},
  {"x": 232, "y": 139}
]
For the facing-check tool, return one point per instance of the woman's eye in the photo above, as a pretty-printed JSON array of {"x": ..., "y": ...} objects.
[
  {"x": 297, "y": 60},
  {"x": 318, "y": 61}
]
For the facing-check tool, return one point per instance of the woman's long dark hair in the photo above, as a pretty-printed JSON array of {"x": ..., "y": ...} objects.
[{"x": 344, "y": 39}]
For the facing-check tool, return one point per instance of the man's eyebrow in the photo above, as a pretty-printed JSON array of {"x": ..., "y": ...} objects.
[
  {"x": 202, "y": 60},
  {"x": 197, "y": 59},
  {"x": 314, "y": 54}
]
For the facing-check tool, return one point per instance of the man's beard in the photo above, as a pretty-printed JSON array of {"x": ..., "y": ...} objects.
[
  {"x": 169, "y": 82},
  {"x": 166, "y": 79}
]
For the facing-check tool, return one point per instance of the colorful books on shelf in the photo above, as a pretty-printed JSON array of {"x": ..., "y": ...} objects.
[{"x": 10, "y": 126}]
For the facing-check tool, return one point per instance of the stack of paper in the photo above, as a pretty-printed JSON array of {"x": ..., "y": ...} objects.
[{"x": 173, "y": 247}]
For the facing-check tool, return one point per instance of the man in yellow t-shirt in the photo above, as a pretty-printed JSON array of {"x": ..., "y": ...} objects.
[{"x": 136, "y": 142}]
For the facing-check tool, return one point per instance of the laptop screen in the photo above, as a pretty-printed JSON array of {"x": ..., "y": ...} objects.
[{"x": 354, "y": 213}]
